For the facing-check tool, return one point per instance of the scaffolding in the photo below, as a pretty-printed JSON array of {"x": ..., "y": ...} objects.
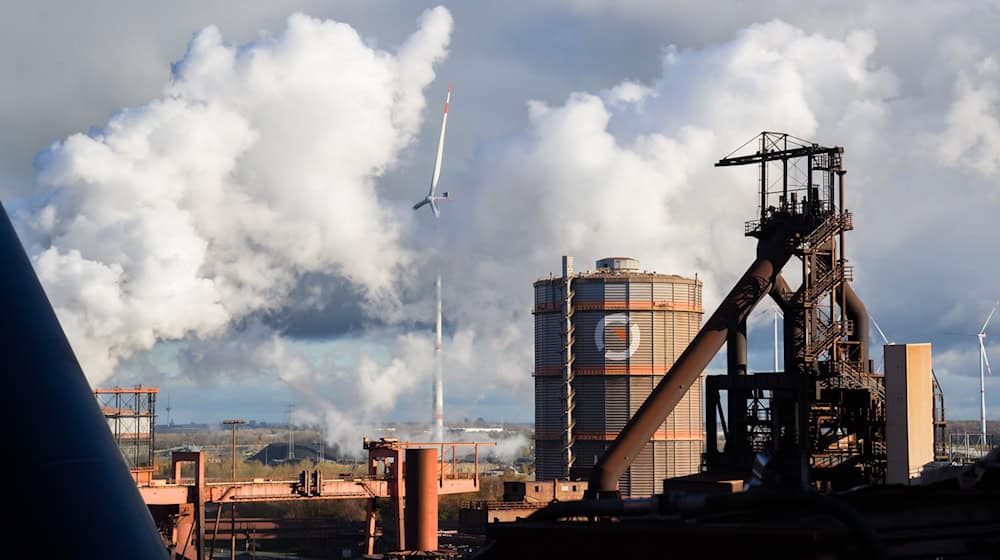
[{"x": 131, "y": 416}]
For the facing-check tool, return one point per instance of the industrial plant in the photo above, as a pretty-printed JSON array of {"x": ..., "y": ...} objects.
[
  {"x": 636, "y": 449},
  {"x": 825, "y": 459}
]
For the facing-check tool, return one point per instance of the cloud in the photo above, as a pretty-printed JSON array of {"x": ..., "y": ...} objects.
[
  {"x": 629, "y": 170},
  {"x": 972, "y": 136},
  {"x": 257, "y": 165}
]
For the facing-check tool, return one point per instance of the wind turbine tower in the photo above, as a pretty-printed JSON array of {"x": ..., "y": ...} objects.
[
  {"x": 430, "y": 199},
  {"x": 984, "y": 366}
]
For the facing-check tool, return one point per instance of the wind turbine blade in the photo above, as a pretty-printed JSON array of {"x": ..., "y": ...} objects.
[
  {"x": 879, "y": 329},
  {"x": 434, "y": 208},
  {"x": 982, "y": 330},
  {"x": 419, "y": 204},
  {"x": 440, "y": 152},
  {"x": 986, "y": 360}
]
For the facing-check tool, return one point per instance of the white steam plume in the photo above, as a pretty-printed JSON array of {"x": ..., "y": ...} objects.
[
  {"x": 349, "y": 399},
  {"x": 255, "y": 166}
]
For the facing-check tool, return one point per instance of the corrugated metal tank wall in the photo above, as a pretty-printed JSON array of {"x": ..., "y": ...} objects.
[{"x": 630, "y": 326}]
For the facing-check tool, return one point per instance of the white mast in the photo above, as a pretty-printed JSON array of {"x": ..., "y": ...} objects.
[{"x": 438, "y": 374}]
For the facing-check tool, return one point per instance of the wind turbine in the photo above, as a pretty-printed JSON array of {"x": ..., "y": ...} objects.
[
  {"x": 438, "y": 393},
  {"x": 984, "y": 365},
  {"x": 430, "y": 198}
]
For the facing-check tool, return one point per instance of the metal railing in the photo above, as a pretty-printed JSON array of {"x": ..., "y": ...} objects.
[{"x": 968, "y": 448}]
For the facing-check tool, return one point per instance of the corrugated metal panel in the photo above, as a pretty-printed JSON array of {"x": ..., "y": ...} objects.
[
  {"x": 661, "y": 348},
  {"x": 588, "y": 290},
  {"x": 585, "y": 346},
  {"x": 687, "y": 416},
  {"x": 543, "y": 293},
  {"x": 615, "y": 291},
  {"x": 641, "y": 326},
  {"x": 683, "y": 458},
  {"x": 640, "y": 291},
  {"x": 683, "y": 292},
  {"x": 641, "y": 474},
  {"x": 659, "y": 461},
  {"x": 663, "y": 291},
  {"x": 640, "y": 386},
  {"x": 548, "y": 459},
  {"x": 548, "y": 404},
  {"x": 548, "y": 340},
  {"x": 589, "y": 403},
  {"x": 616, "y": 402}
]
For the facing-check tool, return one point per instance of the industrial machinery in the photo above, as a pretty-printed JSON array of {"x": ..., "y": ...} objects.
[
  {"x": 822, "y": 419},
  {"x": 801, "y": 472}
]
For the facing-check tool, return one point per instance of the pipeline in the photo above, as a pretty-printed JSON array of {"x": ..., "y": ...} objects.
[
  {"x": 858, "y": 313},
  {"x": 59, "y": 444},
  {"x": 772, "y": 254}
]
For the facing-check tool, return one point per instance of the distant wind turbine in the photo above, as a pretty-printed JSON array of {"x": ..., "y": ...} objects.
[
  {"x": 438, "y": 394},
  {"x": 984, "y": 365}
]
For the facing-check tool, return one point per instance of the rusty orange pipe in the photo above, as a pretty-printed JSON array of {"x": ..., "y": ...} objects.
[{"x": 421, "y": 499}]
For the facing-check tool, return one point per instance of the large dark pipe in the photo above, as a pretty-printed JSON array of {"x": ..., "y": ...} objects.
[
  {"x": 73, "y": 493},
  {"x": 858, "y": 313},
  {"x": 736, "y": 349},
  {"x": 780, "y": 292},
  {"x": 772, "y": 254},
  {"x": 793, "y": 328},
  {"x": 736, "y": 364}
]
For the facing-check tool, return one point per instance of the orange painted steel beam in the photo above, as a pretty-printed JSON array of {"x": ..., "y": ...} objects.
[{"x": 266, "y": 491}]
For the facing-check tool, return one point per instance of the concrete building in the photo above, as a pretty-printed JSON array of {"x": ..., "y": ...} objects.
[
  {"x": 598, "y": 354},
  {"x": 909, "y": 404}
]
